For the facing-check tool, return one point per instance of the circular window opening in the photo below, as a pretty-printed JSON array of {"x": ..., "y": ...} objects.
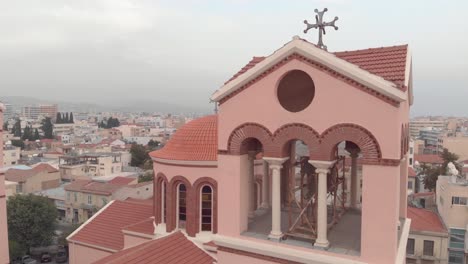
[{"x": 296, "y": 91}]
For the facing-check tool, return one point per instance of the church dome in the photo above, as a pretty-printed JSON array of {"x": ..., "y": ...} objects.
[{"x": 195, "y": 141}]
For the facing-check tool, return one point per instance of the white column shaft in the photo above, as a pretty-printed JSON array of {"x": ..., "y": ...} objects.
[
  {"x": 265, "y": 185},
  {"x": 276, "y": 203},
  {"x": 251, "y": 182},
  {"x": 322, "y": 240},
  {"x": 354, "y": 181}
]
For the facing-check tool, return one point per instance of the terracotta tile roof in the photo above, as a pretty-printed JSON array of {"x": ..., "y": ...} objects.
[
  {"x": 18, "y": 175},
  {"x": 195, "y": 141},
  {"x": 171, "y": 249},
  {"x": 89, "y": 186},
  {"x": 105, "y": 229},
  {"x": 428, "y": 158},
  {"x": 386, "y": 62},
  {"x": 122, "y": 181},
  {"x": 425, "y": 220},
  {"x": 411, "y": 172},
  {"x": 148, "y": 201},
  {"x": 145, "y": 227}
]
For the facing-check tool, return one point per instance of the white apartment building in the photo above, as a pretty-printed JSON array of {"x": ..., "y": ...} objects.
[
  {"x": 11, "y": 155},
  {"x": 417, "y": 125}
]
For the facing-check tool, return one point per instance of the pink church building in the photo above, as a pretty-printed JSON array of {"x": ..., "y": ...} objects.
[
  {"x": 304, "y": 162},
  {"x": 4, "y": 254}
]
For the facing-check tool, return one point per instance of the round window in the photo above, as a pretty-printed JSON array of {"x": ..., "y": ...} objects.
[{"x": 296, "y": 91}]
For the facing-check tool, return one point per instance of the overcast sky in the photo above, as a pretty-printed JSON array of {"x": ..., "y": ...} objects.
[{"x": 182, "y": 51}]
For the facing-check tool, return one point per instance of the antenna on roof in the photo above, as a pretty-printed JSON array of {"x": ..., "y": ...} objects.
[{"x": 321, "y": 26}]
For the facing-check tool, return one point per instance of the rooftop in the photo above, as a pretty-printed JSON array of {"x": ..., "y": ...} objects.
[
  {"x": 425, "y": 220},
  {"x": 105, "y": 228},
  {"x": 171, "y": 249},
  {"x": 21, "y": 175},
  {"x": 428, "y": 158}
]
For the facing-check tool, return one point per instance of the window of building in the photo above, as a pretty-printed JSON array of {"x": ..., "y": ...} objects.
[
  {"x": 296, "y": 90},
  {"x": 68, "y": 196},
  {"x": 411, "y": 150},
  {"x": 76, "y": 197},
  {"x": 206, "y": 208},
  {"x": 457, "y": 238},
  {"x": 182, "y": 206},
  {"x": 410, "y": 246},
  {"x": 459, "y": 200},
  {"x": 456, "y": 257},
  {"x": 410, "y": 185},
  {"x": 428, "y": 248},
  {"x": 411, "y": 161},
  {"x": 163, "y": 202},
  {"x": 90, "y": 199}
]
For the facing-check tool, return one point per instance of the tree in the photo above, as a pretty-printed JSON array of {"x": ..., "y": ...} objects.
[
  {"x": 58, "y": 119},
  {"x": 17, "y": 143},
  {"x": 36, "y": 134},
  {"x": 47, "y": 128},
  {"x": 153, "y": 144},
  {"x": 146, "y": 177},
  {"x": 67, "y": 118},
  {"x": 16, "y": 130},
  {"x": 5, "y": 126},
  {"x": 31, "y": 220},
  {"x": 27, "y": 133},
  {"x": 71, "y": 118},
  {"x": 139, "y": 155},
  {"x": 432, "y": 174}
]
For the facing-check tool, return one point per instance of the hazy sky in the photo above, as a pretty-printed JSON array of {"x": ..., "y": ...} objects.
[{"x": 181, "y": 51}]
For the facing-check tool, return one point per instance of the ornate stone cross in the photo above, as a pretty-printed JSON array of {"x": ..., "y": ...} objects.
[{"x": 321, "y": 26}]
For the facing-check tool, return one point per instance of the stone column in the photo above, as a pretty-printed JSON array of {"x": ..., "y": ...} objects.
[
  {"x": 251, "y": 181},
  {"x": 354, "y": 180},
  {"x": 275, "y": 164},
  {"x": 265, "y": 185},
  {"x": 322, "y": 169}
]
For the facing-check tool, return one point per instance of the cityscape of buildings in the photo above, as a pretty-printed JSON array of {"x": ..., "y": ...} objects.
[{"x": 277, "y": 173}]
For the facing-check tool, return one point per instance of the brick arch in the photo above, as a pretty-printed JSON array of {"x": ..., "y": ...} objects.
[
  {"x": 360, "y": 136},
  {"x": 295, "y": 131},
  {"x": 158, "y": 180},
  {"x": 247, "y": 131},
  {"x": 171, "y": 203},
  {"x": 197, "y": 188}
]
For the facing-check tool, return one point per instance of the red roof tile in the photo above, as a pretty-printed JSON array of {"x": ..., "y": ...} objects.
[
  {"x": 89, "y": 186},
  {"x": 411, "y": 172},
  {"x": 105, "y": 229},
  {"x": 171, "y": 249},
  {"x": 425, "y": 220},
  {"x": 122, "y": 181},
  {"x": 145, "y": 227},
  {"x": 428, "y": 158},
  {"x": 17, "y": 175},
  {"x": 195, "y": 141},
  {"x": 386, "y": 62}
]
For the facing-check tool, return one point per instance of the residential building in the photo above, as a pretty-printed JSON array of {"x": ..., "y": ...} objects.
[
  {"x": 57, "y": 196},
  {"x": 411, "y": 181},
  {"x": 10, "y": 188},
  {"x": 11, "y": 155},
  {"x": 63, "y": 129},
  {"x": 432, "y": 140},
  {"x": 206, "y": 185},
  {"x": 4, "y": 252},
  {"x": 90, "y": 165},
  {"x": 452, "y": 197},
  {"x": 428, "y": 238},
  {"x": 457, "y": 145},
  {"x": 44, "y": 110},
  {"x": 36, "y": 179},
  {"x": 416, "y": 125},
  {"x": 85, "y": 197}
]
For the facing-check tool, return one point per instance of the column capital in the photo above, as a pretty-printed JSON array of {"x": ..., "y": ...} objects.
[
  {"x": 278, "y": 162},
  {"x": 322, "y": 164}
]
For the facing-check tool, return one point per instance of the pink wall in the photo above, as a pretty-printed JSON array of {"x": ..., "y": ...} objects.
[
  {"x": 132, "y": 240},
  {"x": 335, "y": 102},
  {"x": 380, "y": 212},
  {"x": 229, "y": 258},
  {"x": 85, "y": 255}
]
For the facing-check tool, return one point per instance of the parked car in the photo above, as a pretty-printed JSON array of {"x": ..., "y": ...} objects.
[
  {"x": 45, "y": 257},
  {"x": 28, "y": 260},
  {"x": 61, "y": 256}
]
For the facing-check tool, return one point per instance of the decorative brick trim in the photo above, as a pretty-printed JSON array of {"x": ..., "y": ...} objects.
[
  {"x": 360, "y": 136},
  {"x": 197, "y": 189},
  {"x": 255, "y": 255},
  {"x": 158, "y": 181},
  {"x": 236, "y": 141},
  {"x": 171, "y": 203},
  {"x": 288, "y": 132},
  {"x": 317, "y": 66}
]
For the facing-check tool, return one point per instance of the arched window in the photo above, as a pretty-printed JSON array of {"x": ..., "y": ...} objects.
[
  {"x": 206, "y": 209},
  {"x": 163, "y": 201},
  {"x": 181, "y": 206}
]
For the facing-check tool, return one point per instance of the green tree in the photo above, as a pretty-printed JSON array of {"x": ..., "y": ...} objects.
[
  {"x": 36, "y": 134},
  {"x": 139, "y": 155},
  {"x": 31, "y": 220},
  {"x": 71, "y": 118},
  {"x": 153, "y": 144},
  {"x": 58, "y": 118},
  {"x": 16, "y": 130},
  {"x": 67, "y": 118},
  {"x": 432, "y": 174},
  {"x": 18, "y": 143},
  {"x": 28, "y": 133},
  {"x": 146, "y": 177},
  {"x": 5, "y": 126},
  {"x": 47, "y": 128}
]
